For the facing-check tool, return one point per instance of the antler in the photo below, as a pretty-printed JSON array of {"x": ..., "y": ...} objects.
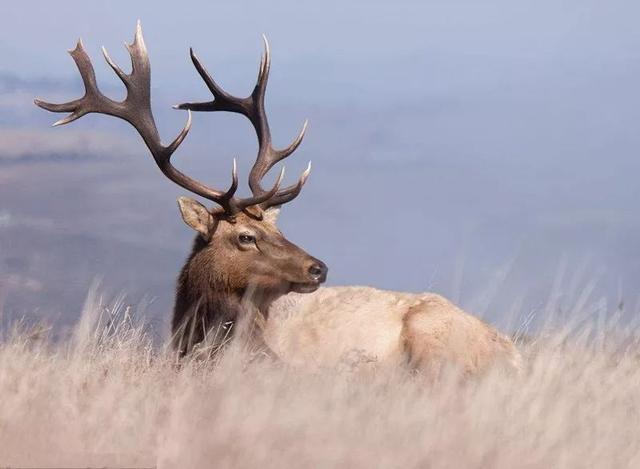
[
  {"x": 136, "y": 109},
  {"x": 253, "y": 108}
]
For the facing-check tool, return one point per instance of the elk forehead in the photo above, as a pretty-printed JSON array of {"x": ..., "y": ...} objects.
[
  {"x": 256, "y": 220},
  {"x": 254, "y": 215},
  {"x": 208, "y": 222}
]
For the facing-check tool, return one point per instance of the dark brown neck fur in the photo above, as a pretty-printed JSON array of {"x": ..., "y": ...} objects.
[{"x": 207, "y": 308}]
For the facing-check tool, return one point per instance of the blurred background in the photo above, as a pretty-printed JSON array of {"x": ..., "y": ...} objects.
[{"x": 488, "y": 151}]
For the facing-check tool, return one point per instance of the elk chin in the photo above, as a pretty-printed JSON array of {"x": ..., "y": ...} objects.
[{"x": 304, "y": 287}]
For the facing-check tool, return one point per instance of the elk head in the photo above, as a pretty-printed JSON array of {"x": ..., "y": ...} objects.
[{"x": 239, "y": 245}]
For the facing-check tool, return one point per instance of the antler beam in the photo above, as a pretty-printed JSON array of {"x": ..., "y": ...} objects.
[{"x": 253, "y": 108}]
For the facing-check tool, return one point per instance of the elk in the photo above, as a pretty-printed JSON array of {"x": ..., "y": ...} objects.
[{"x": 241, "y": 266}]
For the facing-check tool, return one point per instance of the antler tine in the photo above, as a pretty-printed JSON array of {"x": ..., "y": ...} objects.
[
  {"x": 265, "y": 68},
  {"x": 222, "y": 101},
  {"x": 261, "y": 199},
  {"x": 136, "y": 109},
  {"x": 253, "y": 108},
  {"x": 289, "y": 193},
  {"x": 79, "y": 107},
  {"x": 259, "y": 170},
  {"x": 228, "y": 196}
]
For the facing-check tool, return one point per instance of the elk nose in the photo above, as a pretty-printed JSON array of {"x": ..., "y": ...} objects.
[{"x": 318, "y": 271}]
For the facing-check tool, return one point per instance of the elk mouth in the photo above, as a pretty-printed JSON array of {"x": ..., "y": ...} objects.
[{"x": 304, "y": 287}]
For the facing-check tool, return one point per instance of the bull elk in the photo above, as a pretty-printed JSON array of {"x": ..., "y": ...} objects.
[{"x": 241, "y": 264}]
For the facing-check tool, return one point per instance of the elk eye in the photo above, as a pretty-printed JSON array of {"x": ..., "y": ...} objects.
[{"x": 246, "y": 239}]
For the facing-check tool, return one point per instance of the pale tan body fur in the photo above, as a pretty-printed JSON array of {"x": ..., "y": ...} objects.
[{"x": 367, "y": 326}]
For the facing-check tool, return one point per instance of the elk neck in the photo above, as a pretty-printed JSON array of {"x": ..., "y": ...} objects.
[{"x": 210, "y": 300}]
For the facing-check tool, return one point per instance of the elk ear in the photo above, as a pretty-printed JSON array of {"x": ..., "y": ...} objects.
[
  {"x": 195, "y": 215},
  {"x": 271, "y": 214}
]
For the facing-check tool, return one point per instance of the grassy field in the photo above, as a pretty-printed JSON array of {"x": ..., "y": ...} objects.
[{"x": 108, "y": 396}]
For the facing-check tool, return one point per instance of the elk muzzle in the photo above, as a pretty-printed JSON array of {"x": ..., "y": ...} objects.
[{"x": 316, "y": 274}]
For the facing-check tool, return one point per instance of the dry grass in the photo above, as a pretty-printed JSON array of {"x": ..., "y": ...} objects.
[{"x": 108, "y": 397}]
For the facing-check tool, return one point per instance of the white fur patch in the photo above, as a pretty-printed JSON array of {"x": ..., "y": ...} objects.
[{"x": 271, "y": 215}]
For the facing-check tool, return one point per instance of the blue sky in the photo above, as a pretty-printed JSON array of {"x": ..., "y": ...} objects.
[{"x": 454, "y": 143}]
